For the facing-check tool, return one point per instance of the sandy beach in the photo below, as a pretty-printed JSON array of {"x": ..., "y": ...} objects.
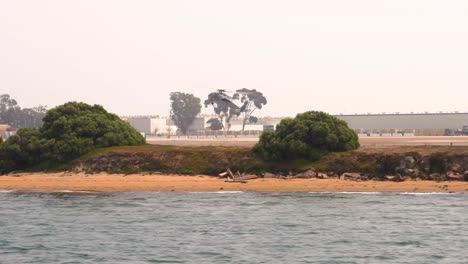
[{"x": 174, "y": 183}]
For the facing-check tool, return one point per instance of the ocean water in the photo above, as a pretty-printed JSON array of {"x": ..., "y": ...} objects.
[{"x": 68, "y": 227}]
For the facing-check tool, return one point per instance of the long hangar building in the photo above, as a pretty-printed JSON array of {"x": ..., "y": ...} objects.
[{"x": 425, "y": 124}]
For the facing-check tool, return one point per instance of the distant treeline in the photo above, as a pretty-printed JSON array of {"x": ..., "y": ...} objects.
[{"x": 16, "y": 117}]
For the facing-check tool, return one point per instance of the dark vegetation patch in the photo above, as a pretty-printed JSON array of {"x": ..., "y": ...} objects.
[
  {"x": 171, "y": 159},
  {"x": 385, "y": 161},
  {"x": 68, "y": 132},
  {"x": 212, "y": 160},
  {"x": 310, "y": 135}
]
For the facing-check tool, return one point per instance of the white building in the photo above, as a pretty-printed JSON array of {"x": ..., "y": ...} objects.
[
  {"x": 199, "y": 123},
  {"x": 3, "y": 131},
  {"x": 425, "y": 124},
  {"x": 149, "y": 125}
]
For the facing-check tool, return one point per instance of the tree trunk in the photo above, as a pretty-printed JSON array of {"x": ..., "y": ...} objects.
[{"x": 243, "y": 123}]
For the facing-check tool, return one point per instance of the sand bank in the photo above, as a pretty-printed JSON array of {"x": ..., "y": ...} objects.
[{"x": 168, "y": 183}]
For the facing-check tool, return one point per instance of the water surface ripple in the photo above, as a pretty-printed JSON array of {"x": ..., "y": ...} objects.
[{"x": 232, "y": 228}]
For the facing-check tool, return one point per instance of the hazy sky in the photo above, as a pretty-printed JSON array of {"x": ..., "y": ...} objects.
[{"x": 337, "y": 56}]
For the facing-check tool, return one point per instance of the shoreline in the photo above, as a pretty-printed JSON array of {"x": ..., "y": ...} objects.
[{"x": 102, "y": 182}]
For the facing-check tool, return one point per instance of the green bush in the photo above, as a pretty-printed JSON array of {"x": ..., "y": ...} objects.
[
  {"x": 308, "y": 136},
  {"x": 68, "y": 131}
]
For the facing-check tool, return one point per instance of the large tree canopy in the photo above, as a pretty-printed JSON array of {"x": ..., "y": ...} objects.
[
  {"x": 308, "y": 136},
  {"x": 214, "y": 124},
  {"x": 223, "y": 107},
  {"x": 251, "y": 100},
  {"x": 184, "y": 108},
  {"x": 243, "y": 102},
  {"x": 68, "y": 132}
]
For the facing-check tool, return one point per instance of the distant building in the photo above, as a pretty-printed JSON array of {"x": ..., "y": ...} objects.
[
  {"x": 263, "y": 123},
  {"x": 427, "y": 124},
  {"x": 149, "y": 125},
  {"x": 3, "y": 131},
  {"x": 268, "y": 127},
  {"x": 199, "y": 123},
  {"x": 419, "y": 124},
  {"x": 250, "y": 127}
]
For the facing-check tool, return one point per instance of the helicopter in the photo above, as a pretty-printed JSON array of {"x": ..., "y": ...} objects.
[{"x": 221, "y": 93}]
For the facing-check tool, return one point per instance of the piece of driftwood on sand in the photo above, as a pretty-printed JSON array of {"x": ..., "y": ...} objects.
[{"x": 238, "y": 177}]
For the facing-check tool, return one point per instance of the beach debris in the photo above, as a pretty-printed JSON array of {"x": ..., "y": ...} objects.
[
  {"x": 408, "y": 178},
  {"x": 268, "y": 175},
  {"x": 236, "y": 181},
  {"x": 247, "y": 177},
  {"x": 308, "y": 174},
  {"x": 436, "y": 177},
  {"x": 457, "y": 167},
  {"x": 227, "y": 174},
  {"x": 410, "y": 162},
  {"x": 409, "y": 167},
  {"x": 322, "y": 175},
  {"x": 389, "y": 177},
  {"x": 452, "y": 176},
  {"x": 223, "y": 174},
  {"x": 350, "y": 176},
  {"x": 395, "y": 178},
  {"x": 414, "y": 173}
]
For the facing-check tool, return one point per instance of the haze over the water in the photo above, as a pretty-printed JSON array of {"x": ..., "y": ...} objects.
[{"x": 338, "y": 56}]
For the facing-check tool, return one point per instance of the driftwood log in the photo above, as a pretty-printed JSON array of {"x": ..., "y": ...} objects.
[
  {"x": 247, "y": 177},
  {"x": 235, "y": 181},
  {"x": 238, "y": 177}
]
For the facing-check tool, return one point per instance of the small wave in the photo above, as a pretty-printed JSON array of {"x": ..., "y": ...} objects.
[
  {"x": 406, "y": 243},
  {"x": 360, "y": 192},
  {"x": 7, "y": 191},
  {"x": 255, "y": 203},
  {"x": 398, "y": 193},
  {"x": 71, "y": 191},
  {"x": 429, "y": 193},
  {"x": 270, "y": 203},
  {"x": 221, "y": 192},
  {"x": 346, "y": 192}
]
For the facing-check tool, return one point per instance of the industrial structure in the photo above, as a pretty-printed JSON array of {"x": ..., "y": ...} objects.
[
  {"x": 155, "y": 125},
  {"x": 425, "y": 124},
  {"x": 418, "y": 124},
  {"x": 149, "y": 125}
]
